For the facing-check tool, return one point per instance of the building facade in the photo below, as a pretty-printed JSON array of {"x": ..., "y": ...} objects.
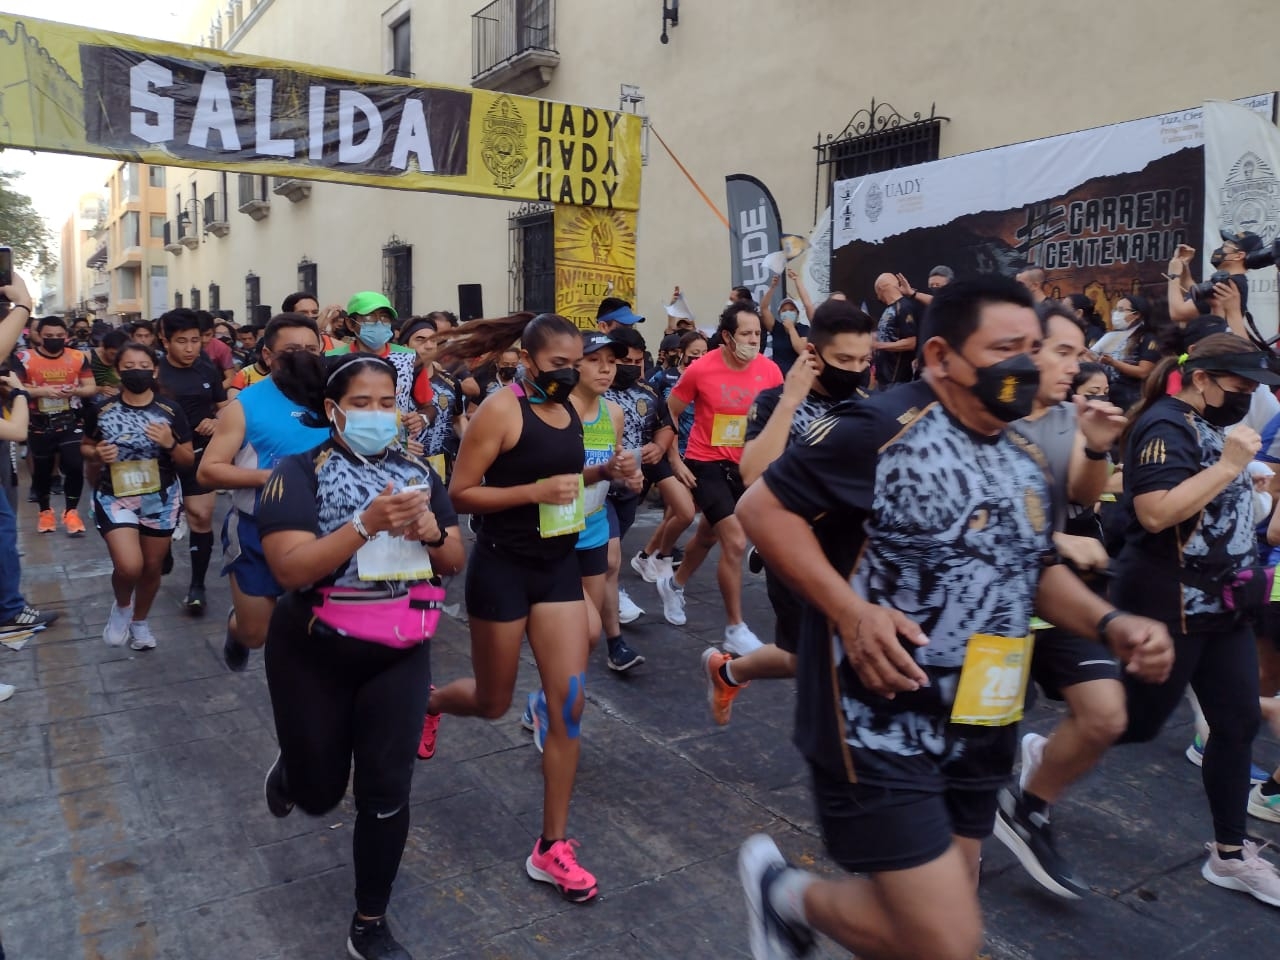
[
  {"x": 82, "y": 290},
  {"x": 748, "y": 87},
  {"x": 129, "y": 258}
]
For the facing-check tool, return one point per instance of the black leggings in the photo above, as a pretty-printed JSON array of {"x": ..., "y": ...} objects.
[
  {"x": 334, "y": 698},
  {"x": 45, "y": 449},
  {"x": 1222, "y": 669}
]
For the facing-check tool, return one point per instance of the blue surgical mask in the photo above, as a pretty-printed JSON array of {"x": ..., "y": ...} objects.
[
  {"x": 789, "y": 316},
  {"x": 369, "y": 432},
  {"x": 375, "y": 335}
]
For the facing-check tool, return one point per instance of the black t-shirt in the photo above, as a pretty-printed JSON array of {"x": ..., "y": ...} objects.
[
  {"x": 1169, "y": 444},
  {"x": 117, "y": 422},
  {"x": 197, "y": 389},
  {"x": 950, "y": 528},
  {"x": 898, "y": 322},
  {"x": 1241, "y": 280},
  {"x": 784, "y": 354},
  {"x": 812, "y": 407},
  {"x": 319, "y": 491}
]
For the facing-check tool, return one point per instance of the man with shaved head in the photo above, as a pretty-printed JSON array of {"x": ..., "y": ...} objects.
[
  {"x": 1033, "y": 279},
  {"x": 895, "y": 334}
]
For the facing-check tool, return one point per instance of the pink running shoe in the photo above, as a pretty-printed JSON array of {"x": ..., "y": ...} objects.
[
  {"x": 559, "y": 867},
  {"x": 427, "y": 745}
]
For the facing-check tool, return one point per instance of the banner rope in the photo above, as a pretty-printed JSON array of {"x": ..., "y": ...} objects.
[{"x": 702, "y": 193}]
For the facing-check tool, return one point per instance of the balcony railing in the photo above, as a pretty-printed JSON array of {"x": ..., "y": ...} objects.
[
  {"x": 513, "y": 45},
  {"x": 215, "y": 214},
  {"x": 255, "y": 198}
]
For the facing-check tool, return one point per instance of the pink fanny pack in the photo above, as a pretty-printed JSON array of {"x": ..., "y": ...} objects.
[{"x": 399, "y": 622}]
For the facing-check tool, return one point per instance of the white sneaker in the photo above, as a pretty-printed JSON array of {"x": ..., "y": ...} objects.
[
  {"x": 672, "y": 601},
  {"x": 661, "y": 568},
  {"x": 1262, "y": 806},
  {"x": 181, "y": 530},
  {"x": 1251, "y": 875},
  {"x": 627, "y": 609},
  {"x": 116, "y": 632},
  {"x": 1032, "y": 754},
  {"x": 143, "y": 638},
  {"x": 644, "y": 566},
  {"x": 6, "y": 691},
  {"x": 739, "y": 640}
]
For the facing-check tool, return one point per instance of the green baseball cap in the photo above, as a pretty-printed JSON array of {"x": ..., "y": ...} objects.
[{"x": 363, "y": 304}]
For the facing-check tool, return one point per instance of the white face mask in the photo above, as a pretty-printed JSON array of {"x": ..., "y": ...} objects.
[
  {"x": 1120, "y": 319},
  {"x": 746, "y": 352}
]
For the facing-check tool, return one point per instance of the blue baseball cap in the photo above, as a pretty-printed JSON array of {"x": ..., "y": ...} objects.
[{"x": 624, "y": 315}]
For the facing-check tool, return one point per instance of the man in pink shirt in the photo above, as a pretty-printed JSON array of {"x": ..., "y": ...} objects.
[{"x": 721, "y": 386}]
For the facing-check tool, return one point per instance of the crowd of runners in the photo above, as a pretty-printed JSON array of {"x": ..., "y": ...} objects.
[{"x": 989, "y": 494}]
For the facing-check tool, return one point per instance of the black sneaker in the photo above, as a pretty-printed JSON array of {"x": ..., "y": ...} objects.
[
  {"x": 372, "y": 940},
  {"x": 677, "y": 558},
  {"x": 760, "y": 864},
  {"x": 276, "y": 790},
  {"x": 622, "y": 658},
  {"x": 194, "y": 602},
  {"x": 166, "y": 566},
  {"x": 234, "y": 653},
  {"x": 1030, "y": 838},
  {"x": 755, "y": 562},
  {"x": 28, "y": 618}
]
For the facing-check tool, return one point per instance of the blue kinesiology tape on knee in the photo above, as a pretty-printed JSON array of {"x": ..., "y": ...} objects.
[{"x": 577, "y": 687}]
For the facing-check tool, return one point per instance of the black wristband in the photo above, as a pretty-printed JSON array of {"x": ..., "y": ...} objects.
[
  {"x": 19, "y": 393},
  {"x": 1105, "y": 621},
  {"x": 1096, "y": 455},
  {"x": 444, "y": 535}
]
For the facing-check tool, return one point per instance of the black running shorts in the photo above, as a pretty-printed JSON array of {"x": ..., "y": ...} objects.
[
  {"x": 1060, "y": 660},
  {"x": 719, "y": 488},
  {"x": 501, "y": 589}
]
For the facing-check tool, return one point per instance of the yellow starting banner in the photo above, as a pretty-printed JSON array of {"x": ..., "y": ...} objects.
[{"x": 73, "y": 90}]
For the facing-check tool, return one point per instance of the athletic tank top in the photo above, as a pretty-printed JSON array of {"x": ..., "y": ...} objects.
[
  {"x": 273, "y": 429},
  {"x": 541, "y": 452},
  {"x": 599, "y": 439}
]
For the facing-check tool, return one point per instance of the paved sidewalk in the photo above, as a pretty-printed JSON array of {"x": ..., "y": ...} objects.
[{"x": 134, "y": 825}]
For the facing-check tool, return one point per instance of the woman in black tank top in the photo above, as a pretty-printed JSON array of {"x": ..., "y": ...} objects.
[{"x": 520, "y": 471}]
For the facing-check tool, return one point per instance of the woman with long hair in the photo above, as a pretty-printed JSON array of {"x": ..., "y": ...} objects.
[
  {"x": 1138, "y": 354},
  {"x": 1190, "y": 534},
  {"x": 521, "y": 472},
  {"x": 140, "y": 441}
]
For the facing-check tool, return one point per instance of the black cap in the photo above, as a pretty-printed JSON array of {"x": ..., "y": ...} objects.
[
  {"x": 670, "y": 342},
  {"x": 1246, "y": 241},
  {"x": 593, "y": 340},
  {"x": 1254, "y": 365}
]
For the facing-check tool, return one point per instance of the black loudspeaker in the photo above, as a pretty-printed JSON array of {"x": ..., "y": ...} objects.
[
  {"x": 470, "y": 301},
  {"x": 262, "y": 314}
]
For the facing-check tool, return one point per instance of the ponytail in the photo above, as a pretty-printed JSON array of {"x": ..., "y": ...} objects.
[
  {"x": 300, "y": 376},
  {"x": 477, "y": 339}
]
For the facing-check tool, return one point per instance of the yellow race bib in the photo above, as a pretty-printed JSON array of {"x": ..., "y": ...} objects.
[
  {"x": 556, "y": 520},
  {"x": 133, "y": 478},
  {"x": 436, "y": 463},
  {"x": 729, "y": 430},
  {"x": 993, "y": 681},
  {"x": 51, "y": 405}
]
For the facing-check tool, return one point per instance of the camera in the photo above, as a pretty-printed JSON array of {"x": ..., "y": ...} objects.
[
  {"x": 1203, "y": 291},
  {"x": 1266, "y": 257}
]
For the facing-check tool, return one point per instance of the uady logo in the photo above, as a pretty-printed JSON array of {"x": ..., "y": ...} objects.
[
  {"x": 502, "y": 143},
  {"x": 1251, "y": 198},
  {"x": 875, "y": 202}
]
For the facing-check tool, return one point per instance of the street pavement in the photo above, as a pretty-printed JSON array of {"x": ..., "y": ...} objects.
[{"x": 134, "y": 825}]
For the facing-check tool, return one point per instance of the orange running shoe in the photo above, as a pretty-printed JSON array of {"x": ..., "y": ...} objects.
[
  {"x": 719, "y": 693},
  {"x": 47, "y": 523},
  {"x": 71, "y": 520}
]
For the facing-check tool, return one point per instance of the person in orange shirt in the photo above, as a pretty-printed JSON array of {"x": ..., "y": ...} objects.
[{"x": 57, "y": 378}]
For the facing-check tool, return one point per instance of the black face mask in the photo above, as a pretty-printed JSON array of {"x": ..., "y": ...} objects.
[
  {"x": 54, "y": 345},
  {"x": 626, "y": 377},
  {"x": 1007, "y": 389},
  {"x": 842, "y": 384},
  {"x": 137, "y": 381},
  {"x": 507, "y": 373},
  {"x": 555, "y": 385},
  {"x": 1217, "y": 257},
  {"x": 1231, "y": 411}
]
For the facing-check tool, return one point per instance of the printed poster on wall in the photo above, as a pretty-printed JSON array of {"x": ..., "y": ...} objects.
[
  {"x": 1100, "y": 210},
  {"x": 73, "y": 90},
  {"x": 595, "y": 258}
]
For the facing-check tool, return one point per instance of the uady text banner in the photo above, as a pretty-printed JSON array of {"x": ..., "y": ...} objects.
[{"x": 73, "y": 90}]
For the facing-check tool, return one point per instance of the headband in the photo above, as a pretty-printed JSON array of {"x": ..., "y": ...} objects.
[{"x": 360, "y": 358}]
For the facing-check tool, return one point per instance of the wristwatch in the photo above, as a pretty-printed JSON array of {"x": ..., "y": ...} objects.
[{"x": 444, "y": 535}]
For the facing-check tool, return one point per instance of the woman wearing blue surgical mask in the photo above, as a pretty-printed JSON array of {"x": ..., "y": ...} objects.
[
  {"x": 357, "y": 532},
  {"x": 371, "y": 321}
]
